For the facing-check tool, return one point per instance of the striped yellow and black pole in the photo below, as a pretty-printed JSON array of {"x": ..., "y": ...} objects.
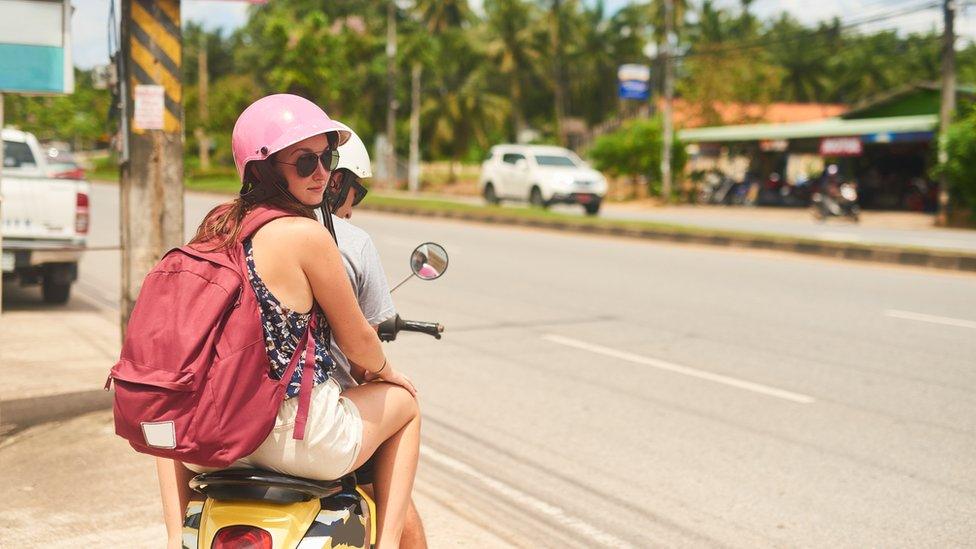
[{"x": 151, "y": 193}]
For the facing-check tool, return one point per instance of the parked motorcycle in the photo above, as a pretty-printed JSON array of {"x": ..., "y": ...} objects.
[
  {"x": 842, "y": 203},
  {"x": 716, "y": 188},
  {"x": 257, "y": 509}
]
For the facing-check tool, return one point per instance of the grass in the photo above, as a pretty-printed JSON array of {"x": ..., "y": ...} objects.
[
  {"x": 213, "y": 183},
  {"x": 547, "y": 215}
]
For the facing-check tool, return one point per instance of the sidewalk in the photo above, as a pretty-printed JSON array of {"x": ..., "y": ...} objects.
[
  {"x": 53, "y": 411},
  {"x": 53, "y": 359}
]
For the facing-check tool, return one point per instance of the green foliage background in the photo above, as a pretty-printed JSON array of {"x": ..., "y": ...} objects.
[
  {"x": 487, "y": 75},
  {"x": 961, "y": 166},
  {"x": 635, "y": 150}
]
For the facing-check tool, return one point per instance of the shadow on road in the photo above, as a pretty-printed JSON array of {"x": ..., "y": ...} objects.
[{"x": 28, "y": 298}]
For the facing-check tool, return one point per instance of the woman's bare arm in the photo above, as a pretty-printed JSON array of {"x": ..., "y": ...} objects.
[{"x": 321, "y": 262}]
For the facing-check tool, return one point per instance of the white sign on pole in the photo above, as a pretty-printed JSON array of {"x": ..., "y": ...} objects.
[{"x": 150, "y": 104}]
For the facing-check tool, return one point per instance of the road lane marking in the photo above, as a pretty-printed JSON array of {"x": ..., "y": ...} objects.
[
  {"x": 947, "y": 321},
  {"x": 684, "y": 370},
  {"x": 557, "y": 514}
]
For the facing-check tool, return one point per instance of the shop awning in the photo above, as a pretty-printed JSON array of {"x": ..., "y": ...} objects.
[{"x": 830, "y": 127}]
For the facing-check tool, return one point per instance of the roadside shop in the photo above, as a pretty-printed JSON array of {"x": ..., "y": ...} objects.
[{"x": 887, "y": 145}]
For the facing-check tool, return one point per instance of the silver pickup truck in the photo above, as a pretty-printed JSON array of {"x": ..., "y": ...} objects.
[{"x": 43, "y": 218}]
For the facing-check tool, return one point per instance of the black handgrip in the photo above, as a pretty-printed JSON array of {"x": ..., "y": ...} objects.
[
  {"x": 430, "y": 328},
  {"x": 388, "y": 329}
]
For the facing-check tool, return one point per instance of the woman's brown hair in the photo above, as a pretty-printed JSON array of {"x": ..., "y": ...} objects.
[{"x": 263, "y": 186}]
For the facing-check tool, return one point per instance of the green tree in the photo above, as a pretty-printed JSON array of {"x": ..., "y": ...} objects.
[
  {"x": 718, "y": 69},
  {"x": 459, "y": 112},
  {"x": 512, "y": 47},
  {"x": 961, "y": 149},
  {"x": 635, "y": 151}
]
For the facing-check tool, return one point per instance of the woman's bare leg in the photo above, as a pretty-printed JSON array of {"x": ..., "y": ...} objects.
[{"x": 391, "y": 430}]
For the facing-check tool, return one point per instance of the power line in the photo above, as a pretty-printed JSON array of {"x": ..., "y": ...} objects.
[{"x": 764, "y": 43}]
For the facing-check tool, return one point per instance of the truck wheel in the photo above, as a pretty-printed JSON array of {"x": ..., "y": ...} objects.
[
  {"x": 535, "y": 198},
  {"x": 592, "y": 208},
  {"x": 491, "y": 196},
  {"x": 55, "y": 292},
  {"x": 56, "y": 281}
]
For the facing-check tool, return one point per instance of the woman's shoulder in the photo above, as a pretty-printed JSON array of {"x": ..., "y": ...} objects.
[
  {"x": 295, "y": 230},
  {"x": 295, "y": 224}
]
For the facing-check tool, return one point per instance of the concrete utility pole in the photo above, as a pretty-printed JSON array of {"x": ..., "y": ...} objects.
[
  {"x": 151, "y": 170},
  {"x": 391, "y": 104},
  {"x": 203, "y": 85},
  {"x": 413, "y": 179},
  {"x": 948, "y": 106},
  {"x": 559, "y": 95},
  {"x": 668, "y": 100}
]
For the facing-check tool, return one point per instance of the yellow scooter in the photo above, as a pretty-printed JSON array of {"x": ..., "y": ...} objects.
[{"x": 257, "y": 509}]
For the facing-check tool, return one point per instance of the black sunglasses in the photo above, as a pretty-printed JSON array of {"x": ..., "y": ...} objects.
[
  {"x": 360, "y": 192},
  {"x": 339, "y": 185},
  {"x": 306, "y": 163}
]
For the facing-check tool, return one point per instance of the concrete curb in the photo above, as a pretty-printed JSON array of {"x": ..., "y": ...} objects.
[{"x": 916, "y": 257}]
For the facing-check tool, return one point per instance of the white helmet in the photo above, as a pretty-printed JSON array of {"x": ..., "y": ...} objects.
[{"x": 354, "y": 157}]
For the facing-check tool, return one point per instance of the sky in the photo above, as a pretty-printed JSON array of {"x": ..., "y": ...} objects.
[{"x": 90, "y": 20}]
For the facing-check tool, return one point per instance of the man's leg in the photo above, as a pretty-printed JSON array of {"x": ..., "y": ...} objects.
[{"x": 413, "y": 536}]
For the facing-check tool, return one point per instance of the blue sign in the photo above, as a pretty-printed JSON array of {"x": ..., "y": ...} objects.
[
  {"x": 634, "y": 81},
  {"x": 635, "y": 89},
  {"x": 903, "y": 137}
]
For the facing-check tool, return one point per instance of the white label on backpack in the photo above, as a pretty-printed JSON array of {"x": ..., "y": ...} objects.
[{"x": 160, "y": 434}]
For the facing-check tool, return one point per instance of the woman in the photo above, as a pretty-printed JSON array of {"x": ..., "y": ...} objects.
[{"x": 284, "y": 148}]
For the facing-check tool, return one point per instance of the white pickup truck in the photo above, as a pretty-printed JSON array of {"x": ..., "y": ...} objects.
[{"x": 43, "y": 218}]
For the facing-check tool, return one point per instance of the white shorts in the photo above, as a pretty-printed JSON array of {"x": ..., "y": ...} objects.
[{"x": 333, "y": 437}]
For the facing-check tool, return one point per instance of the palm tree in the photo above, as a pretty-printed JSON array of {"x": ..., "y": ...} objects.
[
  {"x": 510, "y": 45},
  {"x": 441, "y": 16},
  {"x": 803, "y": 56},
  {"x": 462, "y": 110}
]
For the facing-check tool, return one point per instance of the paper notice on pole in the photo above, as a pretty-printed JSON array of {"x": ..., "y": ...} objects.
[{"x": 149, "y": 107}]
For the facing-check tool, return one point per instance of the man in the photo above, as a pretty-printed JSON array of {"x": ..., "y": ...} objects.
[{"x": 362, "y": 262}]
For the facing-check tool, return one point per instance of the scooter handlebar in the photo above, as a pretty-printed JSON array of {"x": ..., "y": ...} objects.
[
  {"x": 389, "y": 328},
  {"x": 429, "y": 328}
]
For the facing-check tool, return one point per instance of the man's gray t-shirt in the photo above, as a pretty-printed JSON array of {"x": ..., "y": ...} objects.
[{"x": 365, "y": 271}]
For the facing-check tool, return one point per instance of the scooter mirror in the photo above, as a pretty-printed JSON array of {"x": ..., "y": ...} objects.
[{"x": 429, "y": 261}]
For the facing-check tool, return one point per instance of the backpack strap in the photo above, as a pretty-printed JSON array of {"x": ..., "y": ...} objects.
[{"x": 306, "y": 344}]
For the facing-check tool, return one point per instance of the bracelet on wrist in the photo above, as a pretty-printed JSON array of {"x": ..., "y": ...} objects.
[{"x": 377, "y": 372}]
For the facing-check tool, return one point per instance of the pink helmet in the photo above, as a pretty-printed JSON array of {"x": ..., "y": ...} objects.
[{"x": 275, "y": 122}]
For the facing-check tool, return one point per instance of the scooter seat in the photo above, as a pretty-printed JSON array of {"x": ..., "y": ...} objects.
[{"x": 257, "y": 484}]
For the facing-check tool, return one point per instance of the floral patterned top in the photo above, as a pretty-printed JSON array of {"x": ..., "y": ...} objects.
[{"x": 283, "y": 330}]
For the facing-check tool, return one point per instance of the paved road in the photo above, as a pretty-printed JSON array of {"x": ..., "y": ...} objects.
[{"x": 600, "y": 392}]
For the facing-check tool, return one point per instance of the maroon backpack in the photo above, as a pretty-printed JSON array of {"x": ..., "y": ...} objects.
[{"x": 193, "y": 381}]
